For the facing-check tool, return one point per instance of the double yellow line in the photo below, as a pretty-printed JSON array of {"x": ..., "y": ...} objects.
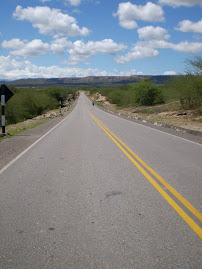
[{"x": 137, "y": 161}]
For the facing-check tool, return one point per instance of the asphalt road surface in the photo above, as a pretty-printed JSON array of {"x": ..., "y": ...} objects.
[{"x": 102, "y": 192}]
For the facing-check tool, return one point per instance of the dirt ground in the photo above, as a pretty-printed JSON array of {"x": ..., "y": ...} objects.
[{"x": 170, "y": 113}]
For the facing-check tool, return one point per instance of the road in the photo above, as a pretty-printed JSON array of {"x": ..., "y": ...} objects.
[{"x": 102, "y": 192}]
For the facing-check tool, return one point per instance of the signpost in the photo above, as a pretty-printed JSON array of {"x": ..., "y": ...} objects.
[
  {"x": 60, "y": 105},
  {"x": 6, "y": 94}
]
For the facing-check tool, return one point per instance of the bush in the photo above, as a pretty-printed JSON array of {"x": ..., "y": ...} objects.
[
  {"x": 189, "y": 86},
  {"x": 190, "y": 90},
  {"x": 58, "y": 93},
  {"x": 26, "y": 104},
  {"x": 141, "y": 93},
  {"x": 147, "y": 94},
  {"x": 115, "y": 97}
]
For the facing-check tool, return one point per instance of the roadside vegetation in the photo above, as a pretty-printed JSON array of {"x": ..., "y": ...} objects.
[
  {"x": 28, "y": 103},
  {"x": 178, "y": 102},
  {"x": 186, "y": 89},
  {"x": 143, "y": 99},
  {"x": 141, "y": 93},
  {"x": 189, "y": 86}
]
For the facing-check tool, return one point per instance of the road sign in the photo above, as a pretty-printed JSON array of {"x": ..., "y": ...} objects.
[{"x": 6, "y": 92}]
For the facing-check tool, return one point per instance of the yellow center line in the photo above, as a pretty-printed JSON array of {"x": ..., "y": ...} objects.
[
  {"x": 175, "y": 206},
  {"x": 187, "y": 204}
]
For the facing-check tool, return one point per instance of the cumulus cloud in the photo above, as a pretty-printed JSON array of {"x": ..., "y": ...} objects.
[
  {"x": 11, "y": 69},
  {"x": 71, "y": 2},
  {"x": 50, "y": 21},
  {"x": 58, "y": 45},
  {"x": 129, "y": 13},
  {"x": 80, "y": 51},
  {"x": 170, "y": 73},
  {"x": 8, "y": 64},
  {"x": 13, "y": 44},
  {"x": 44, "y": 1},
  {"x": 137, "y": 52},
  {"x": 74, "y": 2},
  {"x": 187, "y": 47},
  {"x": 148, "y": 49},
  {"x": 178, "y": 3},
  {"x": 33, "y": 48},
  {"x": 153, "y": 33},
  {"x": 189, "y": 26},
  {"x": 131, "y": 72}
]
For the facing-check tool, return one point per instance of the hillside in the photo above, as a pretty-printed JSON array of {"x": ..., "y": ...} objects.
[{"x": 87, "y": 80}]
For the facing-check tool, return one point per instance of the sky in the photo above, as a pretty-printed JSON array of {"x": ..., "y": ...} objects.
[{"x": 79, "y": 38}]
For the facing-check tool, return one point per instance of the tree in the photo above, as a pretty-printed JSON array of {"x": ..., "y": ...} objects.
[
  {"x": 148, "y": 94},
  {"x": 189, "y": 85}
]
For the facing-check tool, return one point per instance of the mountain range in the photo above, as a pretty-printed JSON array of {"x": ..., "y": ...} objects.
[{"x": 87, "y": 80}]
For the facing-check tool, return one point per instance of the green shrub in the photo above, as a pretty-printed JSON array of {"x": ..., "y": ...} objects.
[
  {"x": 115, "y": 97},
  {"x": 29, "y": 103},
  {"x": 189, "y": 86},
  {"x": 148, "y": 94},
  {"x": 141, "y": 93}
]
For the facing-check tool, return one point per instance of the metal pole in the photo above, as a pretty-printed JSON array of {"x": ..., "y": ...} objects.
[
  {"x": 3, "y": 117},
  {"x": 60, "y": 105}
]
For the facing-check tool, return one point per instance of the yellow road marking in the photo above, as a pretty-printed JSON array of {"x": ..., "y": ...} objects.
[
  {"x": 189, "y": 206},
  {"x": 175, "y": 206}
]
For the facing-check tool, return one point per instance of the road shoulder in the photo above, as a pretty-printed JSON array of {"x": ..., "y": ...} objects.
[
  {"x": 10, "y": 148},
  {"x": 194, "y": 136}
]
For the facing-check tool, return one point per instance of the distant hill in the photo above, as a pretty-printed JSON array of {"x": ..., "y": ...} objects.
[{"x": 86, "y": 80}]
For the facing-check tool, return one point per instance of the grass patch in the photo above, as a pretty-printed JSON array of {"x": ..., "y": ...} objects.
[
  {"x": 19, "y": 128},
  {"x": 100, "y": 104},
  {"x": 172, "y": 106}
]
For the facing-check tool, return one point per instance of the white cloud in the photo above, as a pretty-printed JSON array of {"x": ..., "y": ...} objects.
[
  {"x": 50, "y": 21},
  {"x": 13, "y": 44},
  {"x": 131, "y": 72},
  {"x": 11, "y": 69},
  {"x": 44, "y": 1},
  {"x": 153, "y": 33},
  {"x": 189, "y": 26},
  {"x": 74, "y": 2},
  {"x": 58, "y": 45},
  {"x": 128, "y": 24},
  {"x": 7, "y": 65},
  {"x": 137, "y": 52},
  {"x": 33, "y": 48},
  {"x": 80, "y": 51},
  {"x": 128, "y": 13},
  {"x": 170, "y": 73},
  {"x": 71, "y": 2},
  {"x": 178, "y": 3},
  {"x": 187, "y": 47},
  {"x": 148, "y": 49}
]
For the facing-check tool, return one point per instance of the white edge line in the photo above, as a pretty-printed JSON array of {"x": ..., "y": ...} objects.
[
  {"x": 116, "y": 116},
  {"x": 27, "y": 149}
]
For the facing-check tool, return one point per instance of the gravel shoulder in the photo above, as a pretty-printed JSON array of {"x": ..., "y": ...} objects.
[
  {"x": 178, "y": 127},
  {"x": 13, "y": 146}
]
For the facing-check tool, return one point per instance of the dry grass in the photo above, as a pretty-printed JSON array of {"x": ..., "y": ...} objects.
[{"x": 169, "y": 113}]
